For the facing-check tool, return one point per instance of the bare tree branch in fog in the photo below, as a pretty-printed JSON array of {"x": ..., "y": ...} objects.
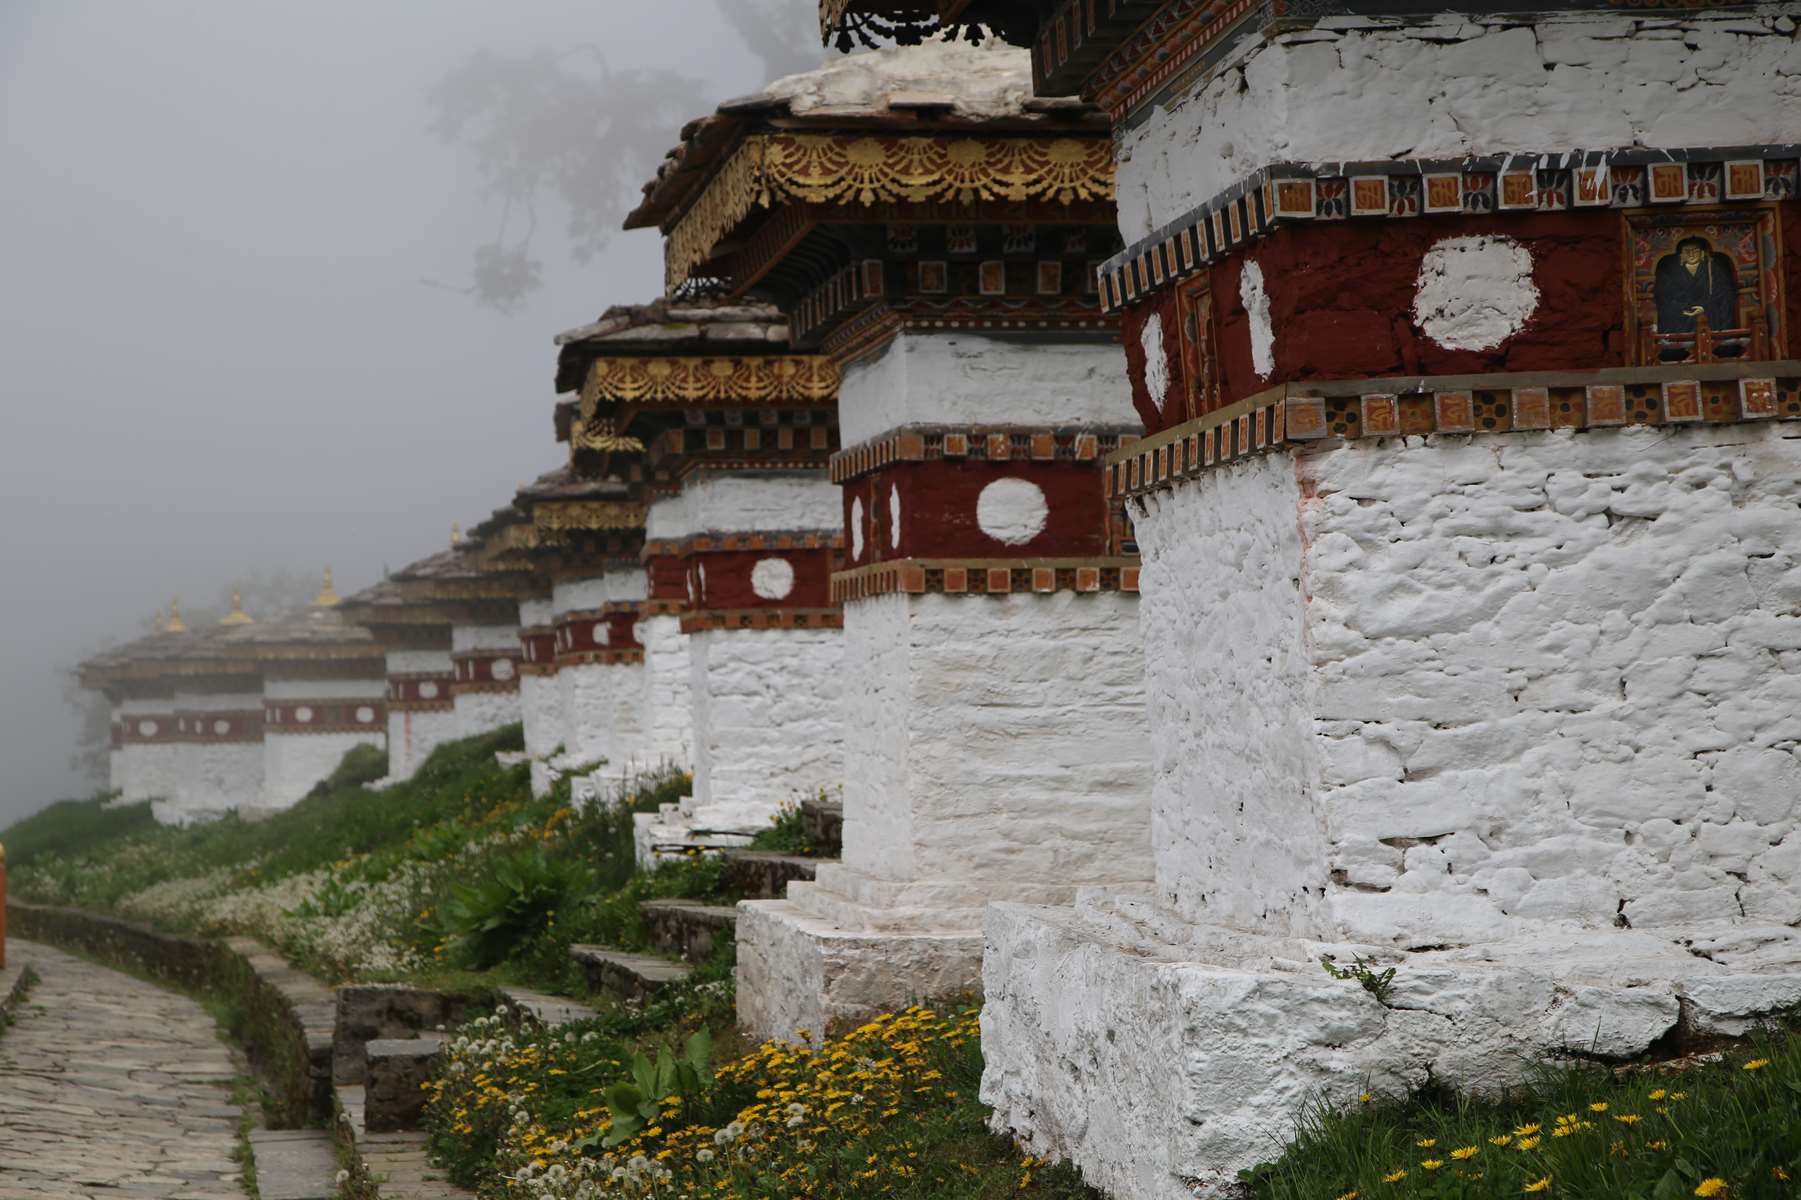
[
  {"x": 264, "y": 594},
  {"x": 566, "y": 127}
]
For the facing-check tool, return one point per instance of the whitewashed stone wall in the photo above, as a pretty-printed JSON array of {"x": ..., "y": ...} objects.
[
  {"x": 997, "y": 741},
  {"x": 767, "y": 729},
  {"x": 1530, "y": 697},
  {"x": 762, "y": 501},
  {"x": 666, "y": 708},
  {"x": 412, "y": 736},
  {"x": 482, "y": 712},
  {"x": 602, "y": 703},
  {"x": 294, "y": 762},
  {"x": 216, "y": 778},
  {"x": 117, "y": 766},
  {"x": 1368, "y": 89},
  {"x": 954, "y": 379},
  {"x": 150, "y": 768}
]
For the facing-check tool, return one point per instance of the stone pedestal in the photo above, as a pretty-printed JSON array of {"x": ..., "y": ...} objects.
[
  {"x": 421, "y": 711},
  {"x": 762, "y": 648},
  {"x": 1512, "y": 714},
  {"x": 540, "y": 700},
  {"x": 992, "y": 680},
  {"x": 308, "y": 727}
]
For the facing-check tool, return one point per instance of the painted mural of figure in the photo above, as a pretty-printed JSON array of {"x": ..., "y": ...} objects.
[{"x": 1693, "y": 282}]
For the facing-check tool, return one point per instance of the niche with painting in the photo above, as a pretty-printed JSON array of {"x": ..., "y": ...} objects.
[{"x": 1704, "y": 287}]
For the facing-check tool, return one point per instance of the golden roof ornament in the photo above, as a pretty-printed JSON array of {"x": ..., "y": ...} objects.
[
  {"x": 175, "y": 624},
  {"x": 237, "y": 615},
  {"x": 456, "y": 534},
  {"x": 328, "y": 596}
]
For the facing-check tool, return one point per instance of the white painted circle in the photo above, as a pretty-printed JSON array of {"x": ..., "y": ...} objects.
[
  {"x": 365, "y": 715},
  {"x": 772, "y": 578},
  {"x": 856, "y": 528},
  {"x": 1156, "y": 361},
  {"x": 503, "y": 669},
  {"x": 303, "y": 714},
  {"x": 428, "y": 690},
  {"x": 1012, "y": 511},
  {"x": 1473, "y": 293},
  {"x": 221, "y": 727},
  {"x": 894, "y": 516},
  {"x": 147, "y": 728},
  {"x": 1255, "y": 298}
]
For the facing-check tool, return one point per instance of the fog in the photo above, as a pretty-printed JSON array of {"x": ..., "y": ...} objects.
[{"x": 233, "y": 335}]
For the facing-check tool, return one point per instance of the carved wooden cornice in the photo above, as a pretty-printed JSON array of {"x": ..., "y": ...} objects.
[
  {"x": 556, "y": 521},
  {"x": 846, "y": 169},
  {"x": 715, "y": 379}
]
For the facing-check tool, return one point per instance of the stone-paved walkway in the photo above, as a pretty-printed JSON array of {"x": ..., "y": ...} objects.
[{"x": 113, "y": 1089}]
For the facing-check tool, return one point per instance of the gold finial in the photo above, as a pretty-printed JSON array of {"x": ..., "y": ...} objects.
[
  {"x": 237, "y": 615},
  {"x": 456, "y": 534},
  {"x": 175, "y": 624},
  {"x": 328, "y": 596}
]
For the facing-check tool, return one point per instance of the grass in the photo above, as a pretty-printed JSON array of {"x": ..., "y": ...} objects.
[
  {"x": 787, "y": 836},
  {"x": 71, "y": 826},
  {"x": 1724, "y": 1128}
]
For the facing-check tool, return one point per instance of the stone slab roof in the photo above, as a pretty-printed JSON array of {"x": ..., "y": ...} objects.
[{"x": 692, "y": 327}]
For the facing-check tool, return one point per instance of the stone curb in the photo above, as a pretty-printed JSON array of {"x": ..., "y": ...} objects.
[{"x": 290, "y": 1015}]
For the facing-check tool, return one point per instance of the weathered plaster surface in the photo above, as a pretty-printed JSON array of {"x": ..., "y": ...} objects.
[
  {"x": 412, "y": 736},
  {"x": 481, "y": 712},
  {"x": 996, "y": 740},
  {"x": 761, "y": 501},
  {"x": 667, "y": 712},
  {"x": 602, "y": 704},
  {"x": 583, "y": 595},
  {"x": 483, "y": 637},
  {"x": 1535, "y": 698},
  {"x": 962, "y": 378},
  {"x": 767, "y": 725},
  {"x": 1361, "y": 89},
  {"x": 294, "y": 763}
]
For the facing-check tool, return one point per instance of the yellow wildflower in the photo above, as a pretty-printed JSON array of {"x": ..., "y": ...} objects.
[
  {"x": 1527, "y": 1143},
  {"x": 1714, "y": 1186},
  {"x": 1395, "y": 1176},
  {"x": 1659, "y": 1094},
  {"x": 1527, "y": 1130},
  {"x": 1500, "y": 1139},
  {"x": 1432, "y": 1164},
  {"x": 1598, "y": 1106},
  {"x": 1351, "y": 1195},
  {"x": 1757, "y": 1064},
  {"x": 1463, "y": 1153},
  {"x": 1365, "y": 1098},
  {"x": 1541, "y": 1184},
  {"x": 1659, "y": 1144},
  {"x": 1426, "y": 1143},
  {"x": 1779, "y": 1173},
  {"x": 1627, "y": 1118}
]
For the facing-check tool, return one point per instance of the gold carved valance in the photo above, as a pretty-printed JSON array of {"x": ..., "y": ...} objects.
[
  {"x": 856, "y": 169},
  {"x": 577, "y": 515},
  {"x": 783, "y": 379}
]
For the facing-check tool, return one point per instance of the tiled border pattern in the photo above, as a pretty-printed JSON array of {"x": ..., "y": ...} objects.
[
  {"x": 611, "y": 656},
  {"x": 404, "y": 694},
  {"x": 985, "y": 577},
  {"x": 762, "y": 618},
  {"x": 240, "y": 726},
  {"x": 920, "y": 443},
  {"x": 1296, "y": 413},
  {"x": 701, "y": 543},
  {"x": 324, "y": 716},
  {"x": 1299, "y": 192}
]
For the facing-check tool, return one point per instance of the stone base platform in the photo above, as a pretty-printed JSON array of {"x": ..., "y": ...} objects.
[{"x": 1162, "y": 1057}]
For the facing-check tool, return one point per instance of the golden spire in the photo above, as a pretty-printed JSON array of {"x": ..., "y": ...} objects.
[
  {"x": 456, "y": 534},
  {"x": 237, "y": 615},
  {"x": 328, "y": 596},
  {"x": 175, "y": 624}
]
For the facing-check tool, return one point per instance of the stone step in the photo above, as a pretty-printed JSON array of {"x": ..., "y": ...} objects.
[
  {"x": 398, "y": 1070},
  {"x": 765, "y": 875},
  {"x": 823, "y": 823},
  {"x": 688, "y": 929},
  {"x": 627, "y": 976},
  {"x": 547, "y": 1010},
  {"x": 294, "y": 1164}
]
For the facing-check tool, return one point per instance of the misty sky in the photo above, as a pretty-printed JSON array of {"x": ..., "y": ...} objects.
[{"x": 216, "y": 352}]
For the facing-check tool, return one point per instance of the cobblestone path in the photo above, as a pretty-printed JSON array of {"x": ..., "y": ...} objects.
[{"x": 114, "y": 1089}]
